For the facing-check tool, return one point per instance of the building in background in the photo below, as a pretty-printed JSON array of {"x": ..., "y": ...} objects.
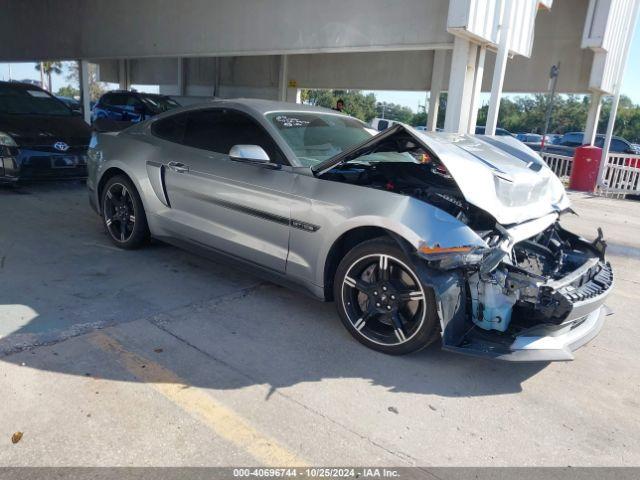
[{"x": 225, "y": 48}]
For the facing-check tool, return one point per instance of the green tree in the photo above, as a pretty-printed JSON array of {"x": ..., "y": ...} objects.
[
  {"x": 49, "y": 68},
  {"x": 420, "y": 118},
  {"x": 395, "y": 112},
  {"x": 68, "y": 91},
  {"x": 356, "y": 103},
  {"x": 96, "y": 89}
]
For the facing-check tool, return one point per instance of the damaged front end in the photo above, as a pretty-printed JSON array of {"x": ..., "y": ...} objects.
[
  {"x": 526, "y": 289},
  {"x": 521, "y": 299}
]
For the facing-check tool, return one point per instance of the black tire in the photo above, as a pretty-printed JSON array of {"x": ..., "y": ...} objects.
[
  {"x": 381, "y": 302},
  {"x": 123, "y": 214}
]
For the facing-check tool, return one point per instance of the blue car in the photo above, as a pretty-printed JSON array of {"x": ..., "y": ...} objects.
[{"x": 119, "y": 109}]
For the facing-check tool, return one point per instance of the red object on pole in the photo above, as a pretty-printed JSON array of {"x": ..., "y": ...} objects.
[{"x": 584, "y": 171}]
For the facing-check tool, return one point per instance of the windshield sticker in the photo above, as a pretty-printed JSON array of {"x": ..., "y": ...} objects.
[
  {"x": 38, "y": 94},
  {"x": 284, "y": 121}
]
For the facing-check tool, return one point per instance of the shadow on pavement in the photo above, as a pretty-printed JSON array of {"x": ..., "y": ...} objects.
[{"x": 60, "y": 277}]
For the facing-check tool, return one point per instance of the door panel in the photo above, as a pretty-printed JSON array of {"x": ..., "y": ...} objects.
[{"x": 240, "y": 209}]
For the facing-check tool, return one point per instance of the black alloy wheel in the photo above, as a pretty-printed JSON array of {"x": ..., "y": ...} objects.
[
  {"x": 382, "y": 301},
  {"x": 123, "y": 213}
]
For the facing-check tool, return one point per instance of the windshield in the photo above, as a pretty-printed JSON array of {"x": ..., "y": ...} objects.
[
  {"x": 316, "y": 137},
  {"x": 159, "y": 104},
  {"x": 25, "y": 101}
]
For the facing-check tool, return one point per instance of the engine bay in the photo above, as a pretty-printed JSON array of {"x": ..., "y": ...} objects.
[{"x": 425, "y": 179}]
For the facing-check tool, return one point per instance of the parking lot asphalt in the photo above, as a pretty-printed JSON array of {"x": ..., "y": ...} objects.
[{"x": 160, "y": 358}]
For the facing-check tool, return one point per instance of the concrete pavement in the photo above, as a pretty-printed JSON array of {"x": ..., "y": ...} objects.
[{"x": 157, "y": 357}]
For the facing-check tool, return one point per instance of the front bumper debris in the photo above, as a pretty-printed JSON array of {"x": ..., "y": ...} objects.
[
  {"x": 549, "y": 346},
  {"x": 550, "y": 314}
]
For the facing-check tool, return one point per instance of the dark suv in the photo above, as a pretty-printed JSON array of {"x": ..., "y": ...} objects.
[{"x": 119, "y": 109}]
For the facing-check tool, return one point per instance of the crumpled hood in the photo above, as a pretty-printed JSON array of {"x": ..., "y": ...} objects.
[{"x": 500, "y": 175}]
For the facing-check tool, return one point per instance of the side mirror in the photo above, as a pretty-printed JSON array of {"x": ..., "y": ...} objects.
[{"x": 253, "y": 154}]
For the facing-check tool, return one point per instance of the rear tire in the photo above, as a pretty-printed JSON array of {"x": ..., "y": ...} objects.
[
  {"x": 381, "y": 301},
  {"x": 123, "y": 214}
]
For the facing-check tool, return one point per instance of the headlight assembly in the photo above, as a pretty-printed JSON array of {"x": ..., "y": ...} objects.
[
  {"x": 7, "y": 140},
  {"x": 448, "y": 258}
]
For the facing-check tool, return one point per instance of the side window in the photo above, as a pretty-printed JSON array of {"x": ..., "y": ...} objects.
[
  {"x": 121, "y": 100},
  {"x": 219, "y": 130},
  {"x": 171, "y": 128},
  {"x": 117, "y": 100},
  {"x": 105, "y": 101},
  {"x": 573, "y": 139},
  {"x": 132, "y": 102},
  {"x": 202, "y": 129}
]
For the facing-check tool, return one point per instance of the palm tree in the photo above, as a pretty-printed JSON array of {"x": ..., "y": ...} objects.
[{"x": 49, "y": 68}]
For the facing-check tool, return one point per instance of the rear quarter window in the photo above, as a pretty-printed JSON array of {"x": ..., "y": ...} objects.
[{"x": 170, "y": 128}]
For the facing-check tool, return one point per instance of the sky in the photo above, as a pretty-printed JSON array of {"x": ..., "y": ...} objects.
[{"x": 630, "y": 84}]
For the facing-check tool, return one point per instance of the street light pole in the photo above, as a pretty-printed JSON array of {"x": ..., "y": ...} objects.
[{"x": 553, "y": 81}]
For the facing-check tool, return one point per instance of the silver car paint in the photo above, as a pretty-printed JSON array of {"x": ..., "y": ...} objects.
[
  {"x": 287, "y": 220},
  {"x": 201, "y": 199},
  {"x": 490, "y": 178}
]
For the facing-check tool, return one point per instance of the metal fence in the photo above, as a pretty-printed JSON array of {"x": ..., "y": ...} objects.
[
  {"x": 560, "y": 164},
  {"x": 622, "y": 176}
]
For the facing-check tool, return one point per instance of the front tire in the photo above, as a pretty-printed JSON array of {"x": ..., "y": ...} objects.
[
  {"x": 381, "y": 301},
  {"x": 123, "y": 214}
]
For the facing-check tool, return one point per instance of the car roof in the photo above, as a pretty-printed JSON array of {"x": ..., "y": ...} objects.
[
  {"x": 20, "y": 85},
  {"x": 131, "y": 92},
  {"x": 257, "y": 106}
]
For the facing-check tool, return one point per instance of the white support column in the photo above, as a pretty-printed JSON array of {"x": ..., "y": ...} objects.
[
  {"x": 463, "y": 65},
  {"x": 85, "y": 90},
  {"x": 217, "y": 78},
  {"x": 591, "y": 129},
  {"x": 123, "y": 74},
  {"x": 475, "y": 94},
  {"x": 181, "y": 84},
  {"x": 293, "y": 95},
  {"x": 616, "y": 98},
  {"x": 437, "y": 75},
  {"x": 499, "y": 70},
  {"x": 284, "y": 78}
]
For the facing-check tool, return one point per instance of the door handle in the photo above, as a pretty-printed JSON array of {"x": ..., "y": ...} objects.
[{"x": 178, "y": 167}]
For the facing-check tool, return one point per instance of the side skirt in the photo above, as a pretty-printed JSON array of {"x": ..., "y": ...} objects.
[{"x": 267, "y": 274}]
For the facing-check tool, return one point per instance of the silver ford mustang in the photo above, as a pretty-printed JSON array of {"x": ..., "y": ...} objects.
[{"x": 416, "y": 236}]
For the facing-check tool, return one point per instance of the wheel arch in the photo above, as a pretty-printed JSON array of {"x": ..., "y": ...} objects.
[
  {"x": 108, "y": 174},
  {"x": 348, "y": 240}
]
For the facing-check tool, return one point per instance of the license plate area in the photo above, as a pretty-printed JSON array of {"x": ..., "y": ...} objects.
[{"x": 67, "y": 161}]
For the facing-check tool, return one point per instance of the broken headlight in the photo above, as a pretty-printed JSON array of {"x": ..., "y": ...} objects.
[{"x": 448, "y": 258}]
